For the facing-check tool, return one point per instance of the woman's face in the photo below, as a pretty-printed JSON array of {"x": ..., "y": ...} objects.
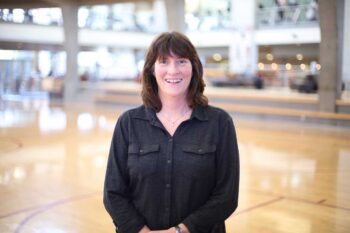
[{"x": 173, "y": 75}]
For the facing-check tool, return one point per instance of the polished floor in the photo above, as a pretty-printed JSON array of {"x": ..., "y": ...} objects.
[{"x": 295, "y": 178}]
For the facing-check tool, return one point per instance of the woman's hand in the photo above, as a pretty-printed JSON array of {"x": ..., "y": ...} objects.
[
  {"x": 145, "y": 229},
  {"x": 170, "y": 230},
  {"x": 183, "y": 227}
]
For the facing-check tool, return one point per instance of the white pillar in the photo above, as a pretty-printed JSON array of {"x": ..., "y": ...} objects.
[
  {"x": 160, "y": 16},
  {"x": 70, "y": 25},
  {"x": 329, "y": 56},
  {"x": 175, "y": 10},
  {"x": 345, "y": 70},
  {"x": 243, "y": 50}
]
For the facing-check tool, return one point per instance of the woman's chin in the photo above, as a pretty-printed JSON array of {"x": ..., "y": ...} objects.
[{"x": 174, "y": 94}]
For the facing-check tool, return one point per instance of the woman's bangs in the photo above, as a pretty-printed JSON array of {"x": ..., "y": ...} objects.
[
  {"x": 163, "y": 51},
  {"x": 174, "y": 47}
]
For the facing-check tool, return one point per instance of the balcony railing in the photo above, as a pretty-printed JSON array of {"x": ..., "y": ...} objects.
[{"x": 287, "y": 16}]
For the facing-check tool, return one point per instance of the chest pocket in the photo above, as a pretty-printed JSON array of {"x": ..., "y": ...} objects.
[
  {"x": 198, "y": 160},
  {"x": 142, "y": 159}
]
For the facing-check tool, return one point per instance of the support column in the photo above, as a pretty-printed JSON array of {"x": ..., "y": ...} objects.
[
  {"x": 160, "y": 16},
  {"x": 243, "y": 50},
  {"x": 328, "y": 81},
  {"x": 71, "y": 80},
  {"x": 175, "y": 10},
  {"x": 345, "y": 69}
]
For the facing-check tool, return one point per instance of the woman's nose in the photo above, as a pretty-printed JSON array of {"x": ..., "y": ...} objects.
[{"x": 173, "y": 68}]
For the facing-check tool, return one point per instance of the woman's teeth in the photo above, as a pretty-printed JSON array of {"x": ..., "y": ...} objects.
[{"x": 173, "y": 80}]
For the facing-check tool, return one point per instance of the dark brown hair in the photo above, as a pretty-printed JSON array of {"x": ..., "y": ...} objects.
[{"x": 164, "y": 45}]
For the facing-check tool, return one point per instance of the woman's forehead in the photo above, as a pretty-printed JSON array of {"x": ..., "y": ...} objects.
[{"x": 170, "y": 54}]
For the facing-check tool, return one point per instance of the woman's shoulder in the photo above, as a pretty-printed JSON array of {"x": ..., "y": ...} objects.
[
  {"x": 137, "y": 112},
  {"x": 218, "y": 112},
  {"x": 221, "y": 116}
]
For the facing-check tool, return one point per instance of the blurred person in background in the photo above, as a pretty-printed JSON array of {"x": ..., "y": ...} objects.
[
  {"x": 311, "y": 13},
  {"x": 173, "y": 165},
  {"x": 280, "y": 4}
]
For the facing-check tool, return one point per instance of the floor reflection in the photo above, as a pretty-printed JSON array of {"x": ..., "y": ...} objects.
[
  {"x": 294, "y": 178},
  {"x": 52, "y": 119},
  {"x": 16, "y": 118}
]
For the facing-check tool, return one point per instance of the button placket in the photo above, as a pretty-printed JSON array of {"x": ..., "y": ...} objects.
[{"x": 168, "y": 179}]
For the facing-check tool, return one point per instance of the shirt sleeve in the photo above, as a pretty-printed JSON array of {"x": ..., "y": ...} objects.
[
  {"x": 116, "y": 197},
  {"x": 224, "y": 198}
]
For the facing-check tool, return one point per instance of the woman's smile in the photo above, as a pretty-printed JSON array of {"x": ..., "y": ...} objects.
[{"x": 173, "y": 80}]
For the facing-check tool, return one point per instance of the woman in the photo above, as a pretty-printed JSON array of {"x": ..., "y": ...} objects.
[{"x": 173, "y": 164}]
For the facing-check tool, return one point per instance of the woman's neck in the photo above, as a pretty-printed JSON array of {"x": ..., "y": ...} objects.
[
  {"x": 174, "y": 111},
  {"x": 173, "y": 106}
]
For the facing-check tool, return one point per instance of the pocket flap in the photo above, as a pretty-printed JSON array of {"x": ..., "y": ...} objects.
[
  {"x": 144, "y": 149},
  {"x": 199, "y": 149}
]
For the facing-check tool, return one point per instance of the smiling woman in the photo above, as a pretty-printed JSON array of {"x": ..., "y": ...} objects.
[
  {"x": 180, "y": 50},
  {"x": 173, "y": 163}
]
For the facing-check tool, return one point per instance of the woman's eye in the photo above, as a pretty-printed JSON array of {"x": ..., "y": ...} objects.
[
  {"x": 162, "y": 61},
  {"x": 183, "y": 61}
]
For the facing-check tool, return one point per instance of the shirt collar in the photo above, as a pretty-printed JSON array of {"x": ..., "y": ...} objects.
[
  {"x": 144, "y": 113},
  {"x": 200, "y": 112},
  {"x": 148, "y": 113}
]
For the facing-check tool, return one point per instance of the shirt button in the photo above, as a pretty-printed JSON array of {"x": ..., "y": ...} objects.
[
  {"x": 166, "y": 208},
  {"x": 170, "y": 140},
  {"x": 141, "y": 151},
  {"x": 200, "y": 150},
  {"x": 169, "y": 161},
  {"x": 168, "y": 185}
]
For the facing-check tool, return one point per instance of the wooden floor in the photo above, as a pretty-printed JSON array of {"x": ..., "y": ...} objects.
[{"x": 294, "y": 178}]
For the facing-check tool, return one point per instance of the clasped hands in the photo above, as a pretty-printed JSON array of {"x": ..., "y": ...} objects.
[{"x": 146, "y": 229}]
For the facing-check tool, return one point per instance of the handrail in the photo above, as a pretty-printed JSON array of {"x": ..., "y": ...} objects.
[{"x": 296, "y": 15}]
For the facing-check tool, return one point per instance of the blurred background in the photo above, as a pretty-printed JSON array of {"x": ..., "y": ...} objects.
[{"x": 262, "y": 44}]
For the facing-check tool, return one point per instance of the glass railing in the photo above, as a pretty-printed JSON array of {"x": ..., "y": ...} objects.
[
  {"x": 287, "y": 16},
  {"x": 95, "y": 18},
  {"x": 40, "y": 16},
  {"x": 110, "y": 17}
]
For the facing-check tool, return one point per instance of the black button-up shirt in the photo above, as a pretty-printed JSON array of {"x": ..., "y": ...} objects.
[{"x": 160, "y": 180}]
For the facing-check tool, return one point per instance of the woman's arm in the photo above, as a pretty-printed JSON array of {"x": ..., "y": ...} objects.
[
  {"x": 116, "y": 196},
  {"x": 145, "y": 229}
]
